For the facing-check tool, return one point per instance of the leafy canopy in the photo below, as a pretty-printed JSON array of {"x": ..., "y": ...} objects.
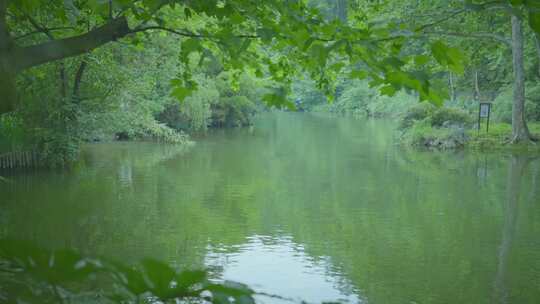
[{"x": 277, "y": 39}]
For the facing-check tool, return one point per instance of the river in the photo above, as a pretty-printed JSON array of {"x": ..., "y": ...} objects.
[{"x": 308, "y": 207}]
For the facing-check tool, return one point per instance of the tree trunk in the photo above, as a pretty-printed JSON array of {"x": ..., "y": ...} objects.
[
  {"x": 341, "y": 10},
  {"x": 7, "y": 75},
  {"x": 63, "y": 80},
  {"x": 476, "y": 93},
  {"x": 452, "y": 87},
  {"x": 520, "y": 131},
  {"x": 537, "y": 43},
  {"x": 77, "y": 83}
]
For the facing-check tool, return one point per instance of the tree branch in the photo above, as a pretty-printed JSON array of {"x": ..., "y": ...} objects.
[
  {"x": 442, "y": 20},
  {"x": 78, "y": 80},
  {"x": 182, "y": 33},
  {"x": 30, "y": 56},
  {"x": 62, "y": 73},
  {"x": 161, "y": 28},
  {"x": 52, "y": 29},
  {"x": 491, "y": 36}
]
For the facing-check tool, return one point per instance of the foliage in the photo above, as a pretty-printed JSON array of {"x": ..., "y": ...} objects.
[
  {"x": 118, "y": 95},
  {"x": 197, "y": 107},
  {"x": 12, "y": 135},
  {"x": 354, "y": 99},
  {"x": 426, "y": 125},
  {"x": 502, "y": 105},
  {"x": 306, "y": 95},
  {"x": 278, "y": 39},
  {"x": 35, "y": 275},
  {"x": 448, "y": 115},
  {"x": 358, "y": 98},
  {"x": 421, "y": 132},
  {"x": 417, "y": 112},
  {"x": 224, "y": 100}
]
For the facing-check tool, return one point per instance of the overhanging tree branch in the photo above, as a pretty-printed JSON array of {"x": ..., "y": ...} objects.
[
  {"x": 166, "y": 29},
  {"x": 30, "y": 56}
]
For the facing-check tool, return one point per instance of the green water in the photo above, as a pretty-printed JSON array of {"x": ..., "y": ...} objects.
[{"x": 307, "y": 207}]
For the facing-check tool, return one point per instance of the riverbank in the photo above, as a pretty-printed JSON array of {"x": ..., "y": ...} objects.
[
  {"x": 498, "y": 137},
  {"x": 446, "y": 128},
  {"x": 455, "y": 136}
]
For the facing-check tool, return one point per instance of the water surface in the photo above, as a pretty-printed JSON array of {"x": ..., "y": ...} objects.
[{"x": 304, "y": 206}]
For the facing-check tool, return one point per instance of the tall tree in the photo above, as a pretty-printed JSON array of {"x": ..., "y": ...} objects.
[
  {"x": 520, "y": 131},
  {"x": 516, "y": 14}
]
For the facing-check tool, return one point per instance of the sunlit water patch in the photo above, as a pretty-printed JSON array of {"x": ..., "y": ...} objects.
[{"x": 282, "y": 270}]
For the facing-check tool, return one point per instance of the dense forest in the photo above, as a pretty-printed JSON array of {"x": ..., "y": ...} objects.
[{"x": 150, "y": 149}]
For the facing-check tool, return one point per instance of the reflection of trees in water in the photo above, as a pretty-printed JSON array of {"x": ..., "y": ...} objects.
[{"x": 517, "y": 165}]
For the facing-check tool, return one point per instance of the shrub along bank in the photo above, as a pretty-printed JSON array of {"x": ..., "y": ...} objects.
[{"x": 423, "y": 124}]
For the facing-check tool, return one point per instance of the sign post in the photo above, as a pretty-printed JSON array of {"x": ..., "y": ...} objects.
[{"x": 484, "y": 112}]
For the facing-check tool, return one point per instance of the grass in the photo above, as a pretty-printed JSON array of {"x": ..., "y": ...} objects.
[{"x": 498, "y": 137}]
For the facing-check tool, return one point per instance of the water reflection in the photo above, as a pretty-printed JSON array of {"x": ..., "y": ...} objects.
[
  {"x": 332, "y": 203},
  {"x": 517, "y": 165},
  {"x": 278, "y": 266}
]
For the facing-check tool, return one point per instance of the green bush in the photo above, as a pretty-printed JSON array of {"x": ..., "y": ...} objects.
[
  {"x": 423, "y": 133},
  {"x": 358, "y": 98},
  {"x": 354, "y": 99},
  {"x": 417, "y": 112},
  {"x": 391, "y": 106},
  {"x": 234, "y": 111},
  {"x": 13, "y": 136},
  {"x": 219, "y": 102},
  {"x": 452, "y": 115}
]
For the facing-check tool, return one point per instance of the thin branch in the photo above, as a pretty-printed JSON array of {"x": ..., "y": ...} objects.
[
  {"x": 182, "y": 33},
  {"x": 161, "y": 28},
  {"x": 442, "y": 20},
  {"x": 62, "y": 73},
  {"x": 42, "y": 31},
  {"x": 491, "y": 36},
  {"x": 38, "y": 27}
]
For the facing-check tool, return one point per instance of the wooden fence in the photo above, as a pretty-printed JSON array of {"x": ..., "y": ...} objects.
[{"x": 22, "y": 159}]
